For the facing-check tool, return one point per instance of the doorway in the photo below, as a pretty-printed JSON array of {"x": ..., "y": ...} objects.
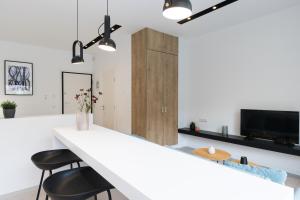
[{"x": 72, "y": 83}]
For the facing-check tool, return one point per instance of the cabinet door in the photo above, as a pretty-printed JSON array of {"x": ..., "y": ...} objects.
[
  {"x": 155, "y": 40},
  {"x": 171, "y": 99},
  {"x": 171, "y": 44},
  {"x": 155, "y": 119}
]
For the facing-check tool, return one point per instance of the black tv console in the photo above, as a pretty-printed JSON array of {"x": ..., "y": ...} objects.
[{"x": 241, "y": 140}]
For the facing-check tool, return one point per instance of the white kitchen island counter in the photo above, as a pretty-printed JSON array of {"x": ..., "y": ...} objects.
[{"x": 145, "y": 171}]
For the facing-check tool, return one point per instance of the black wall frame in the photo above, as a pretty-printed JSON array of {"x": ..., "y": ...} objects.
[
  {"x": 62, "y": 87},
  {"x": 5, "y": 93}
]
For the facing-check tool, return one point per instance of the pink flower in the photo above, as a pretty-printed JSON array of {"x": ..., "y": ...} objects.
[{"x": 77, "y": 96}]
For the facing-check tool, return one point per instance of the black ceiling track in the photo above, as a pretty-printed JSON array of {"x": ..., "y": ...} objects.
[
  {"x": 206, "y": 11},
  {"x": 97, "y": 39}
]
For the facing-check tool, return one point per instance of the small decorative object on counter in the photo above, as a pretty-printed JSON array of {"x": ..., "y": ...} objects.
[
  {"x": 85, "y": 102},
  {"x": 244, "y": 160},
  {"x": 211, "y": 150},
  {"x": 192, "y": 126},
  {"x": 9, "y": 109},
  {"x": 225, "y": 130},
  {"x": 197, "y": 129}
]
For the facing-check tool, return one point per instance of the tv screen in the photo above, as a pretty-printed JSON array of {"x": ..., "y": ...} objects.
[{"x": 270, "y": 125}]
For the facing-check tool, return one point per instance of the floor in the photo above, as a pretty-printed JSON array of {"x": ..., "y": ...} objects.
[{"x": 293, "y": 181}]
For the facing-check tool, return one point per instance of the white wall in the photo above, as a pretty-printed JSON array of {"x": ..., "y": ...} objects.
[
  {"x": 20, "y": 139},
  {"x": 252, "y": 65},
  {"x": 113, "y": 71},
  {"x": 47, "y": 67}
]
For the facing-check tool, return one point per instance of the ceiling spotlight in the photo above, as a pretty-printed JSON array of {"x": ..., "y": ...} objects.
[
  {"x": 77, "y": 59},
  {"x": 106, "y": 43},
  {"x": 177, "y": 9},
  {"x": 206, "y": 11}
]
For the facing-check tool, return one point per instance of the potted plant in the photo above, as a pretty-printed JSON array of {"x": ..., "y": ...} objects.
[
  {"x": 85, "y": 103},
  {"x": 9, "y": 109}
]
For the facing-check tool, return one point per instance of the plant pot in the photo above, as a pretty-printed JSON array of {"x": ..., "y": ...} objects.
[
  {"x": 9, "y": 113},
  {"x": 82, "y": 121}
]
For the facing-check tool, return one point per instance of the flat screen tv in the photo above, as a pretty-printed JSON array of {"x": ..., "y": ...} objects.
[{"x": 271, "y": 125}]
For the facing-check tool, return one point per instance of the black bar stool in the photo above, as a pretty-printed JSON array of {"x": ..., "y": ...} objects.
[
  {"x": 51, "y": 160},
  {"x": 76, "y": 184}
]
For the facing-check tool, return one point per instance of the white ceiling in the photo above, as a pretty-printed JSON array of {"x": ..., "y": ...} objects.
[{"x": 52, "y": 23}]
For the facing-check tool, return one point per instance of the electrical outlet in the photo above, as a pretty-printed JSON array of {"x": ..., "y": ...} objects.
[{"x": 203, "y": 120}]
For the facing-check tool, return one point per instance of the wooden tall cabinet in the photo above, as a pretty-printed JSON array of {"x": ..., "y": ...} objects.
[{"x": 155, "y": 86}]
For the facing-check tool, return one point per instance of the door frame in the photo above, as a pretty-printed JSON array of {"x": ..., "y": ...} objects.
[{"x": 62, "y": 87}]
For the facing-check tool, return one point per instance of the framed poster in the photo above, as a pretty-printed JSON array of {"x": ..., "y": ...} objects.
[{"x": 18, "y": 78}]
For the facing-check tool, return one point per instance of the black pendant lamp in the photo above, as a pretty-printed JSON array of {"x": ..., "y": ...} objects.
[
  {"x": 77, "y": 59},
  {"x": 177, "y": 9},
  {"x": 106, "y": 43}
]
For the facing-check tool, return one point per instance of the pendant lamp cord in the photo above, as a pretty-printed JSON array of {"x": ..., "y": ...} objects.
[
  {"x": 100, "y": 28},
  {"x": 107, "y": 7},
  {"x": 77, "y": 20},
  {"x": 103, "y": 22}
]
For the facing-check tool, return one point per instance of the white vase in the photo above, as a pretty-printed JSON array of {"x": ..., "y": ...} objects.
[
  {"x": 82, "y": 121},
  {"x": 211, "y": 150}
]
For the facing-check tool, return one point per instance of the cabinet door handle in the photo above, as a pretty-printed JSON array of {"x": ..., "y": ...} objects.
[
  {"x": 162, "y": 109},
  {"x": 166, "y": 109}
]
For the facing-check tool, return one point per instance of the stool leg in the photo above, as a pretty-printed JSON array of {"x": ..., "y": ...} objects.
[
  {"x": 41, "y": 181},
  {"x": 71, "y": 166},
  {"x": 109, "y": 194},
  {"x": 95, "y": 197},
  {"x": 78, "y": 164},
  {"x": 50, "y": 174}
]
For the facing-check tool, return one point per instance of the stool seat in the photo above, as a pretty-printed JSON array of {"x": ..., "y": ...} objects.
[
  {"x": 53, "y": 159},
  {"x": 76, "y": 184}
]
